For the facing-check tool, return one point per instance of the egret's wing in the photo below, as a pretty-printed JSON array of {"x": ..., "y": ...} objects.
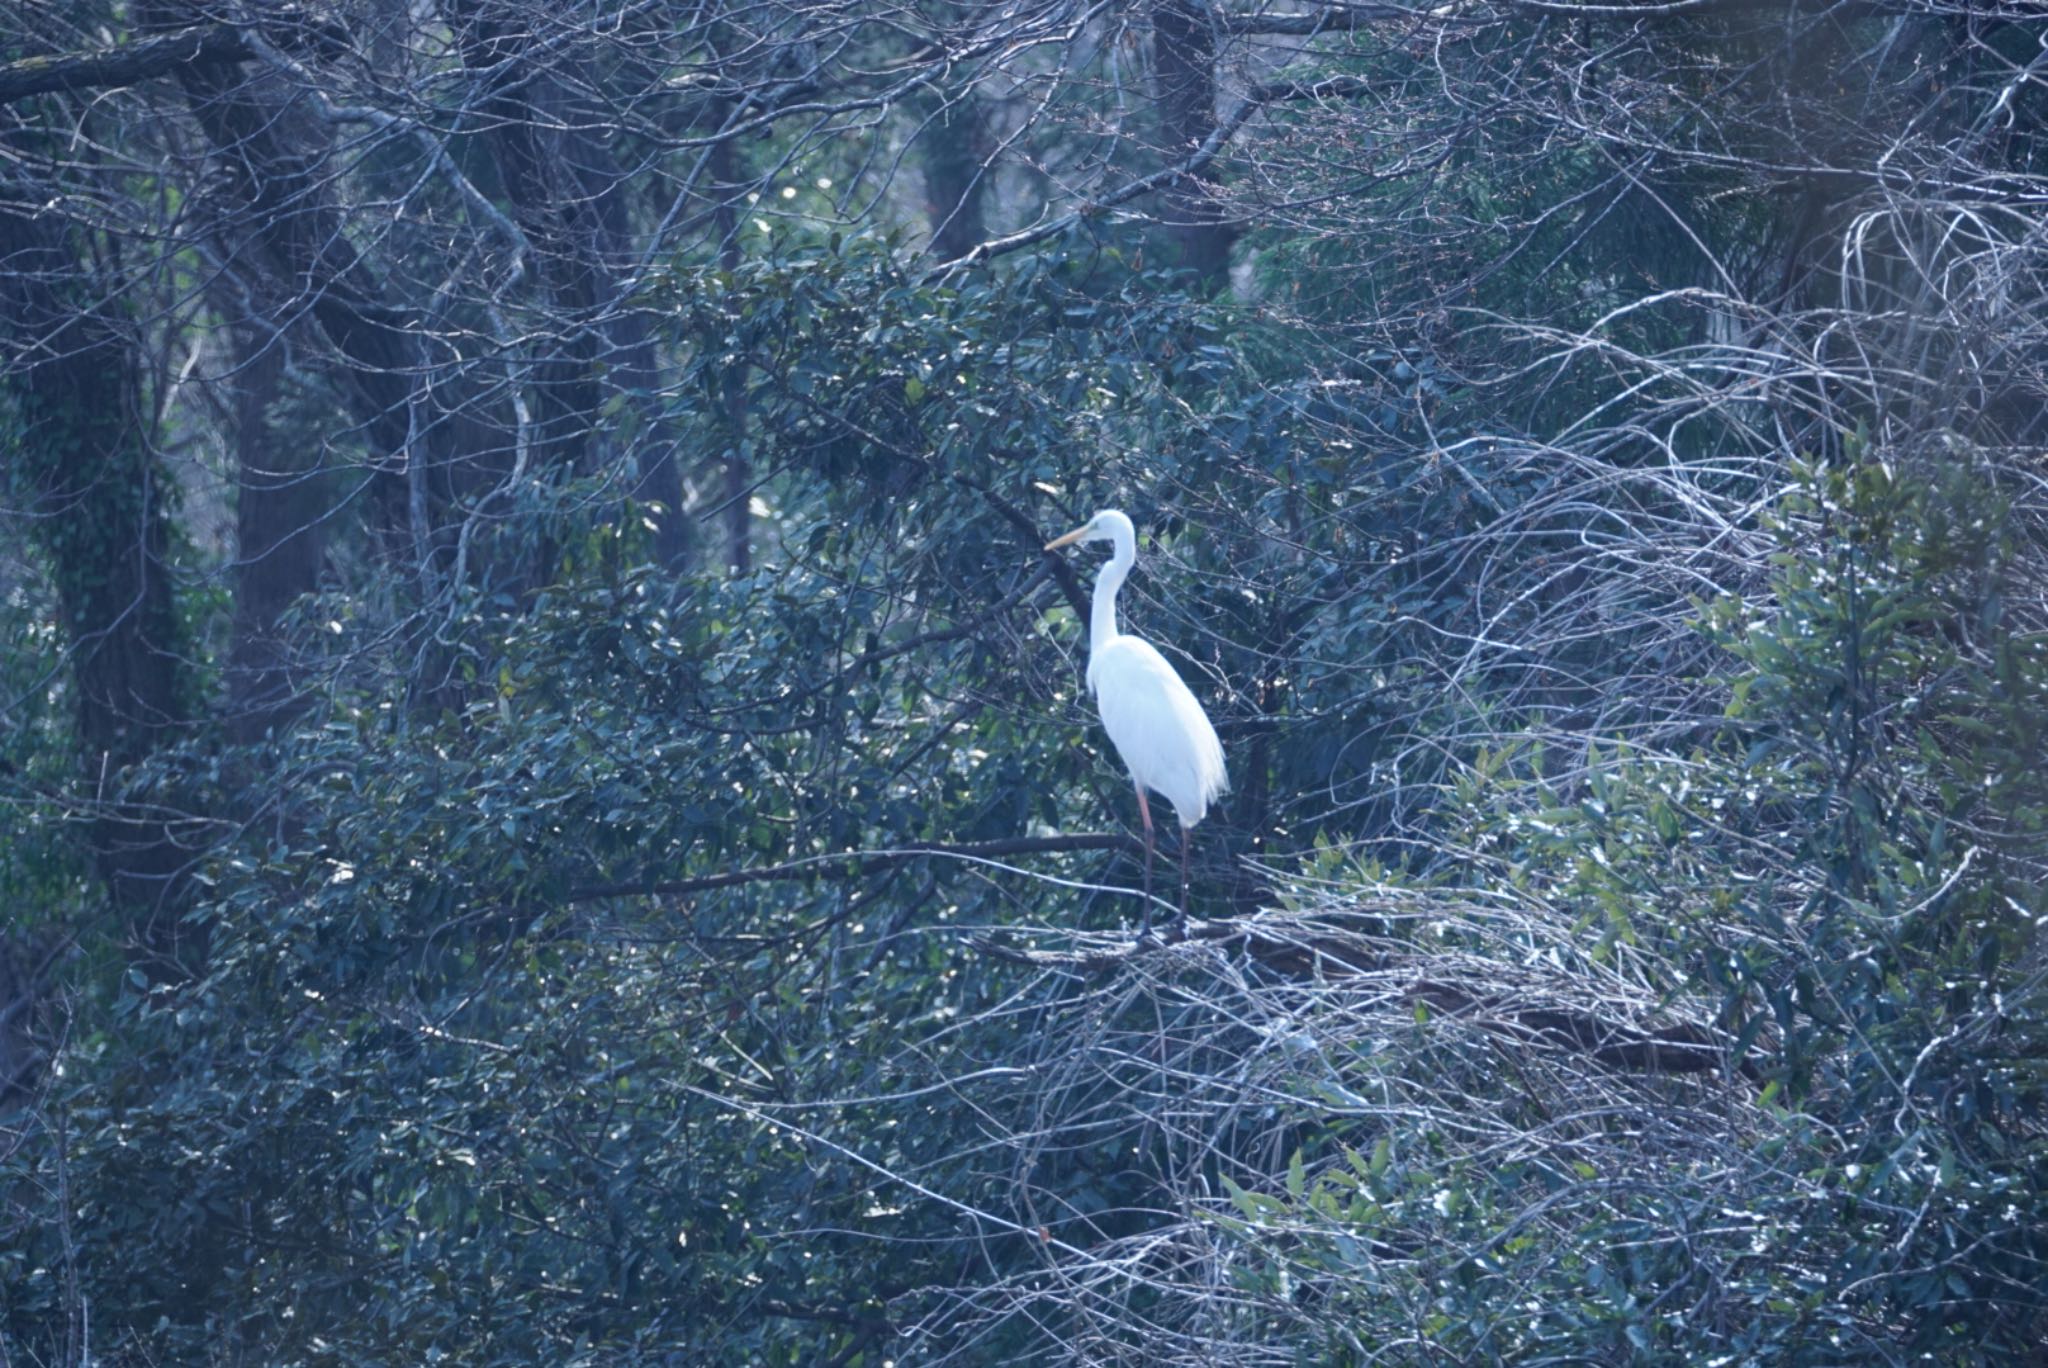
[{"x": 1158, "y": 728}]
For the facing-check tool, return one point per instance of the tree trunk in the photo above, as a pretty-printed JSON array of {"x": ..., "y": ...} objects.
[
  {"x": 284, "y": 239},
  {"x": 956, "y": 142},
  {"x": 95, "y": 499},
  {"x": 734, "y": 499},
  {"x": 1184, "y": 68},
  {"x": 280, "y": 537},
  {"x": 568, "y": 193}
]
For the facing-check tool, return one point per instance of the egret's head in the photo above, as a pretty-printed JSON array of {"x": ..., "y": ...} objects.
[{"x": 1109, "y": 525}]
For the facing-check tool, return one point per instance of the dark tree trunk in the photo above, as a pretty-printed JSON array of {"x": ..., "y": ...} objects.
[
  {"x": 283, "y": 239},
  {"x": 738, "y": 519},
  {"x": 274, "y": 156},
  {"x": 568, "y": 194},
  {"x": 95, "y": 500},
  {"x": 281, "y": 500},
  {"x": 1184, "y": 66},
  {"x": 28, "y": 960},
  {"x": 285, "y": 244},
  {"x": 956, "y": 144}
]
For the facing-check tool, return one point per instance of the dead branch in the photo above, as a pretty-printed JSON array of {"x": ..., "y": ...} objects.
[{"x": 1322, "y": 950}]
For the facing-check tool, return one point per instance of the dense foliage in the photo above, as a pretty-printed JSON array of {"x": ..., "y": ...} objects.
[{"x": 552, "y": 812}]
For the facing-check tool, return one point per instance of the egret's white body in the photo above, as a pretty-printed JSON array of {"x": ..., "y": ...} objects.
[{"x": 1157, "y": 727}]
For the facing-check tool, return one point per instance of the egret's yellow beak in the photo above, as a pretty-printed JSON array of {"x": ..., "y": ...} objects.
[{"x": 1057, "y": 542}]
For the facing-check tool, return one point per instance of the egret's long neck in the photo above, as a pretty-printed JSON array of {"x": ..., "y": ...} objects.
[{"x": 1102, "y": 621}]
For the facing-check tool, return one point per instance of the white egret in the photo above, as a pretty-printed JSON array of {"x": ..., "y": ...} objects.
[{"x": 1156, "y": 725}]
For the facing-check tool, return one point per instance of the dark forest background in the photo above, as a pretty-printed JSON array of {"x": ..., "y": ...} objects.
[{"x": 548, "y": 812}]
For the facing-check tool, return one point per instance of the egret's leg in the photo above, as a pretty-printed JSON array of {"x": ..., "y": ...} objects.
[
  {"x": 1145, "y": 812},
  {"x": 1185, "y": 833}
]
